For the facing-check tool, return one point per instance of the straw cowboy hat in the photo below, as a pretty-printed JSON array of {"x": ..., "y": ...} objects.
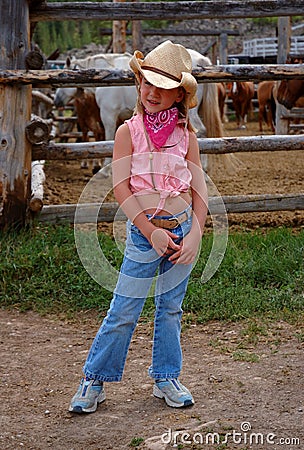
[{"x": 167, "y": 66}]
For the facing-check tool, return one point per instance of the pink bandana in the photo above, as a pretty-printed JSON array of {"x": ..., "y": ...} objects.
[{"x": 160, "y": 125}]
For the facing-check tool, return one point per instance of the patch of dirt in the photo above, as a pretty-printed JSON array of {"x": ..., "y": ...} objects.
[{"x": 246, "y": 386}]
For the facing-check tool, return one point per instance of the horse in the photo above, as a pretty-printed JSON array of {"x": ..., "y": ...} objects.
[
  {"x": 88, "y": 115},
  {"x": 117, "y": 103},
  {"x": 267, "y": 104},
  {"x": 241, "y": 94},
  {"x": 289, "y": 92},
  {"x": 221, "y": 94}
]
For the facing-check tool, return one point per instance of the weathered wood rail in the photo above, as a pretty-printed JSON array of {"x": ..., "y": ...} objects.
[
  {"x": 210, "y": 146},
  {"x": 170, "y": 10},
  {"x": 95, "y": 77},
  {"x": 172, "y": 32},
  {"x": 107, "y": 212}
]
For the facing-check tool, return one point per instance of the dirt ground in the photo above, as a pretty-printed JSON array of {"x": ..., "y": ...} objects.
[
  {"x": 246, "y": 378},
  {"x": 249, "y": 384}
]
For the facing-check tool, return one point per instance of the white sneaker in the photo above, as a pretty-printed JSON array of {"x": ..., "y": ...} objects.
[
  {"x": 174, "y": 393},
  {"x": 87, "y": 397}
]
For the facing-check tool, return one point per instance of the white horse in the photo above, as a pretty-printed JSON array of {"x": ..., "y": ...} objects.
[{"x": 117, "y": 103}]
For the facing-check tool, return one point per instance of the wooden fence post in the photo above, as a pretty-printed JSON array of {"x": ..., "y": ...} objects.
[
  {"x": 284, "y": 33},
  {"x": 15, "y": 112},
  {"x": 223, "y": 48},
  {"x": 137, "y": 36},
  {"x": 119, "y": 33}
]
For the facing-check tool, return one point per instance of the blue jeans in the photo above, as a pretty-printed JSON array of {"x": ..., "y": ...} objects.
[{"x": 107, "y": 356}]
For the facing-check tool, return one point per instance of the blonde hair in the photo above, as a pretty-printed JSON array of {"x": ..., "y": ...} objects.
[{"x": 183, "y": 106}]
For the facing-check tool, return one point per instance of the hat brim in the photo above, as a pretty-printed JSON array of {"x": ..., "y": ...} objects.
[{"x": 188, "y": 82}]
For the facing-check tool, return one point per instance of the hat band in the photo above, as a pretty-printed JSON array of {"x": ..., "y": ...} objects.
[{"x": 161, "y": 72}]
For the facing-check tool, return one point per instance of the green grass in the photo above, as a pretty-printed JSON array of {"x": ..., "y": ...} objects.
[
  {"x": 262, "y": 274},
  {"x": 136, "y": 441}
]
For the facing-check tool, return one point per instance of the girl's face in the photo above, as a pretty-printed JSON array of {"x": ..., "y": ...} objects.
[{"x": 157, "y": 99}]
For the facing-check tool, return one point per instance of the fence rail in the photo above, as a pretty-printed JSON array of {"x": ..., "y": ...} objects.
[
  {"x": 211, "y": 146},
  {"x": 108, "y": 212},
  {"x": 101, "y": 77},
  {"x": 269, "y": 46},
  {"x": 169, "y": 10}
]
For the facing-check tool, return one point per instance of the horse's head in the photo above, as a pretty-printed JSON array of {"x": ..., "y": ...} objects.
[
  {"x": 282, "y": 95},
  {"x": 198, "y": 60},
  {"x": 233, "y": 88},
  {"x": 289, "y": 92},
  {"x": 63, "y": 96},
  {"x": 71, "y": 63},
  {"x": 228, "y": 85}
]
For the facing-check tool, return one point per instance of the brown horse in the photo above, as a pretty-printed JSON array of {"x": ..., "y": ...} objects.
[
  {"x": 221, "y": 93},
  {"x": 289, "y": 92},
  {"x": 267, "y": 104},
  {"x": 88, "y": 116},
  {"x": 241, "y": 94}
]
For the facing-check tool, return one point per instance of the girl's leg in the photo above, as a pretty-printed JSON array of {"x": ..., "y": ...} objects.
[
  {"x": 167, "y": 352},
  {"x": 171, "y": 286},
  {"x": 107, "y": 356}
]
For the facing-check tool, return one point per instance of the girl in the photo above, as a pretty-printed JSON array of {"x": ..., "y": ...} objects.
[{"x": 160, "y": 185}]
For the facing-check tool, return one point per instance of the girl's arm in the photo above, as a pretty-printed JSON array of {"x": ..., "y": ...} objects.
[
  {"x": 121, "y": 170},
  {"x": 198, "y": 186},
  {"x": 191, "y": 242}
]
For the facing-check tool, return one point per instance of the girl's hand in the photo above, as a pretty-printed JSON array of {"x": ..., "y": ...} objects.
[
  {"x": 188, "y": 249},
  {"x": 162, "y": 242}
]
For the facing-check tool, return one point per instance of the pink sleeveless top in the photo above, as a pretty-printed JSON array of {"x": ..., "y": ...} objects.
[{"x": 164, "y": 171}]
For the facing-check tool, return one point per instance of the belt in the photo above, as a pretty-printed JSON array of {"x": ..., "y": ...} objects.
[{"x": 170, "y": 223}]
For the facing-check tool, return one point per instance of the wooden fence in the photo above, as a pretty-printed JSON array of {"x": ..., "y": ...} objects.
[
  {"x": 17, "y": 78},
  {"x": 269, "y": 46}
]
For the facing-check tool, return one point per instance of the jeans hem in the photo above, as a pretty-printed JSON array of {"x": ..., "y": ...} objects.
[
  {"x": 102, "y": 377},
  {"x": 158, "y": 376}
]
